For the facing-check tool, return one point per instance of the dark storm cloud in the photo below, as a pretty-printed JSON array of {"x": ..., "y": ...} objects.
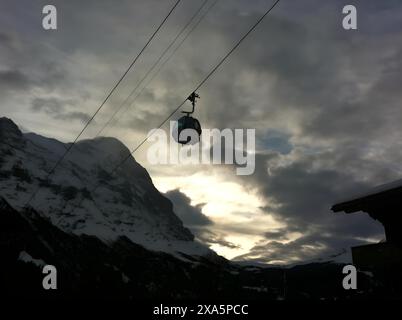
[
  {"x": 58, "y": 109},
  {"x": 311, "y": 191},
  {"x": 319, "y": 71},
  {"x": 209, "y": 237},
  {"x": 13, "y": 80},
  {"x": 304, "y": 195},
  {"x": 275, "y": 141},
  {"x": 134, "y": 115},
  {"x": 337, "y": 93},
  {"x": 305, "y": 248},
  {"x": 195, "y": 220},
  {"x": 191, "y": 216},
  {"x": 278, "y": 234},
  {"x": 316, "y": 244}
]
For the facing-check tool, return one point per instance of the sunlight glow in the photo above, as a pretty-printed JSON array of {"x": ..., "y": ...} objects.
[{"x": 229, "y": 205}]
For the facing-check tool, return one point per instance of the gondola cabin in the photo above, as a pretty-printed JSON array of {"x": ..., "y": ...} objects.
[{"x": 187, "y": 123}]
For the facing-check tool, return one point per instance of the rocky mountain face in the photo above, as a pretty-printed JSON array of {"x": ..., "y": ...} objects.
[{"x": 126, "y": 203}]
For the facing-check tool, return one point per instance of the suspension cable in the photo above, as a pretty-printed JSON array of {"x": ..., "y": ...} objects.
[
  {"x": 196, "y": 88},
  {"x": 153, "y": 67},
  {"x": 71, "y": 145}
]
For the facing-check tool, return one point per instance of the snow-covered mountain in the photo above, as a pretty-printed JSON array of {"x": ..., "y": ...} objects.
[{"x": 126, "y": 203}]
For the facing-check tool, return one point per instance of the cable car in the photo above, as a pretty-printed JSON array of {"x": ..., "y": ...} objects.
[{"x": 188, "y": 122}]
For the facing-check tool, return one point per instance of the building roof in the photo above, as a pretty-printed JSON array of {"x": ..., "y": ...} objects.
[{"x": 382, "y": 194}]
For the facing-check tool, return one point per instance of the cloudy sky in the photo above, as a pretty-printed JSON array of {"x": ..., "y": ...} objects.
[{"x": 325, "y": 103}]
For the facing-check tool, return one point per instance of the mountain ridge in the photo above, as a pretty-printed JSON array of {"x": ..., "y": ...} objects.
[{"x": 125, "y": 203}]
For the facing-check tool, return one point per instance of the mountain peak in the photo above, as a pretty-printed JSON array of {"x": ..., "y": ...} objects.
[
  {"x": 9, "y": 131},
  {"x": 8, "y": 123},
  {"x": 124, "y": 203}
]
